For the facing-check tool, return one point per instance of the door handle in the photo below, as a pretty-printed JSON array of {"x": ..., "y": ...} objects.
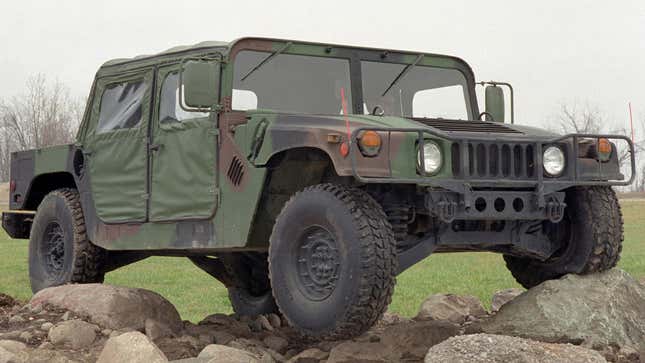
[{"x": 154, "y": 147}]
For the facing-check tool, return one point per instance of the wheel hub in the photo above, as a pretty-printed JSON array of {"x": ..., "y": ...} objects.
[
  {"x": 54, "y": 248},
  {"x": 318, "y": 263}
]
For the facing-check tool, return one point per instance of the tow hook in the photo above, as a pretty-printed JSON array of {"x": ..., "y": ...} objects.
[
  {"x": 555, "y": 210},
  {"x": 446, "y": 210}
]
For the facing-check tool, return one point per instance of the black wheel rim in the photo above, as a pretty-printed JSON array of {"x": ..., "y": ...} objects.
[
  {"x": 318, "y": 263},
  {"x": 54, "y": 249}
]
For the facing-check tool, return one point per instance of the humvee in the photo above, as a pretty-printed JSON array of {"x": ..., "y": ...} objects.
[{"x": 305, "y": 177}]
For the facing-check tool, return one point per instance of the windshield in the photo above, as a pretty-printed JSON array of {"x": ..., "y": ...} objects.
[
  {"x": 419, "y": 91},
  {"x": 291, "y": 83}
]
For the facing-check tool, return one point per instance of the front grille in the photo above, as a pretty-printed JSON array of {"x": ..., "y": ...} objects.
[
  {"x": 467, "y": 126},
  {"x": 490, "y": 160}
]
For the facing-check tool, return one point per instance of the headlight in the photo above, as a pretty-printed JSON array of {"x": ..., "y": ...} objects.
[
  {"x": 553, "y": 160},
  {"x": 432, "y": 158}
]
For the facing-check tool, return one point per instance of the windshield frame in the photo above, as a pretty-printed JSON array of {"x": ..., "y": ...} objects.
[{"x": 355, "y": 55}]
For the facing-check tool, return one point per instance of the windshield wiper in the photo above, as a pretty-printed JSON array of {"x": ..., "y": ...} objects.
[
  {"x": 266, "y": 60},
  {"x": 405, "y": 71}
]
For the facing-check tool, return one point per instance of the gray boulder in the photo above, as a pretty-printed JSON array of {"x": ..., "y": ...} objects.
[
  {"x": 132, "y": 347},
  {"x": 6, "y": 356},
  {"x": 599, "y": 310},
  {"x": 503, "y": 296},
  {"x": 486, "y": 348},
  {"x": 76, "y": 334},
  {"x": 311, "y": 355},
  {"x": 112, "y": 307},
  {"x": 400, "y": 342},
  {"x": 453, "y": 308},
  {"x": 222, "y": 353},
  {"x": 12, "y": 346}
]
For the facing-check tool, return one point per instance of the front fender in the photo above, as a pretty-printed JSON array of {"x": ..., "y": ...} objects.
[{"x": 286, "y": 132}]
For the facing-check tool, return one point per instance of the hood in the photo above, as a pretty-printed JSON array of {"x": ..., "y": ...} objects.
[{"x": 455, "y": 127}]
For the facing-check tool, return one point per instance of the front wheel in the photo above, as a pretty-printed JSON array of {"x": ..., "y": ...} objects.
[
  {"x": 332, "y": 261},
  {"x": 59, "y": 250},
  {"x": 590, "y": 238}
]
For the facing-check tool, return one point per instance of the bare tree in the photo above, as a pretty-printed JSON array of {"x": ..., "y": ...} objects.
[
  {"x": 44, "y": 115},
  {"x": 588, "y": 119},
  {"x": 585, "y": 119}
]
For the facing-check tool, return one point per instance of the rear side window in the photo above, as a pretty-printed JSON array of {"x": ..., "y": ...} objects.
[
  {"x": 169, "y": 108},
  {"x": 121, "y": 106}
]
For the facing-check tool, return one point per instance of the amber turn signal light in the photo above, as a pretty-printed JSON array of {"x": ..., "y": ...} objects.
[
  {"x": 370, "y": 143},
  {"x": 604, "y": 149}
]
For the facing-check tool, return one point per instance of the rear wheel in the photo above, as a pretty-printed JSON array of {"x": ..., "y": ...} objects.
[
  {"x": 590, "y": 236},
  {"x": 332, "y": 261},
  {"x": 59, "y": 251},
  {"x": 250, "y": 294}
]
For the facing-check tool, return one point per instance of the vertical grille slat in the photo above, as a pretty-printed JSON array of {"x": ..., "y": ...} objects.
[{"x": 492, "y": 160}]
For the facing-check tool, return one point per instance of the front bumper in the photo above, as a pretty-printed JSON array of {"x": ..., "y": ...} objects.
[{"x": 492, "y": 167}]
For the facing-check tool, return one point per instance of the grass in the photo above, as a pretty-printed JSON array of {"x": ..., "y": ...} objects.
[{"x": 195, "y": 294}]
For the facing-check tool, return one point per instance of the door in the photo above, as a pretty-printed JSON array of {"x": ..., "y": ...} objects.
[
  {"x": 116, "y": 147},
  {"x": 183, "y": 175}
]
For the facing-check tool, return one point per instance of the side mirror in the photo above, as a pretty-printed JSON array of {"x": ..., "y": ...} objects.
[
  {"x": 199, "y": 84},
  {"x": 494, "y": 103}
]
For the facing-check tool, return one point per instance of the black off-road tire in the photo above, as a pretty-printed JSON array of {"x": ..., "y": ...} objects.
[
  {"x": 245, "y": 303},
  {"x": 250, "y": 294},
  {"x": 593, "y": 244},
  {"x": 332, "y": 261},
  {"x": 59, "y": 251}
]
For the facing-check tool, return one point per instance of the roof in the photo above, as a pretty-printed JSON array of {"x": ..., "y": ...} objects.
[{"x": 173, "y": 50}]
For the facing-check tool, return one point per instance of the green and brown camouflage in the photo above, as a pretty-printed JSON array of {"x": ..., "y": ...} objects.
[{"x": 216, "y": 182}]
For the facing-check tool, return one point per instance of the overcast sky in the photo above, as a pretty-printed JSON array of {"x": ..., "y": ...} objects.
[{"x": 551, "y": 51}]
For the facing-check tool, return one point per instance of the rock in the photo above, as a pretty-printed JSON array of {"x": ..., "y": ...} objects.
[
  {"x": 410, "y": 341},
  {"x": 13, "y": 346},
  {"x": 450, "y": 307},
  {"x": 107, "y": 332},
  {"x": 65, "y": 316},
  {"x": 312, "y": 355},
  {"x": 36, "y": 309},
  {"x": 362, "y": 352},
  {"x": 155, "y": 330},
  {"x": 264, "y": 323},
  {"x": 218, "y": 319},
  {"x": 46, "y": 326},
  {"x": 222, "y": 337},
  {"x": 16, "y": 319},
  {"x": 275, "y": 320},
  {"x": 11, "y": 335},
  {"x": 74, "y": 333},
  {"x": 255, "y": 326},
  {"x": 46, "y": 356},
  {"x": 111, "y": 307},
  {"x": 501, "y": 297},
  {"x": 600, "y": 310},
  {"x": 26, "y": 336},
  {"x": 276, "y": 343},
  {"x": 391, "y": 319},
  {"x": 502, "y": 349},
  {"x": 177, "y": 349},
  {"x": 6, "y": 356},
  {"x": 132, "y": 347},
  {"x": 222, "y": 353}
]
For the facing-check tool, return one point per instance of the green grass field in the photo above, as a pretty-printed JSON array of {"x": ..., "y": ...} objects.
[{"x": 195, "y": 294}]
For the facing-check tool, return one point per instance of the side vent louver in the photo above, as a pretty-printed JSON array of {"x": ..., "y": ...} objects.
[{"x": 236, "y": 171}]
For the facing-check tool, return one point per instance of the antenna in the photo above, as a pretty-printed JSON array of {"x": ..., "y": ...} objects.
[{"x": 631, "y": 119}]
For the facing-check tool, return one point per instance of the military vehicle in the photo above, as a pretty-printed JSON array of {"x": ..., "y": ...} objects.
[{"x": 305, "y": 177}]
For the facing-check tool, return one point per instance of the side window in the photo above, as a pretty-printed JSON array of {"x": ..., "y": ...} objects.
[
  {"x": 169, "y": 108},
  {"x": 121, "y": 106}
]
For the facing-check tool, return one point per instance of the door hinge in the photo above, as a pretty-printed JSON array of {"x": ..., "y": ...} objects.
[{"x": 145, "y": 196}]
